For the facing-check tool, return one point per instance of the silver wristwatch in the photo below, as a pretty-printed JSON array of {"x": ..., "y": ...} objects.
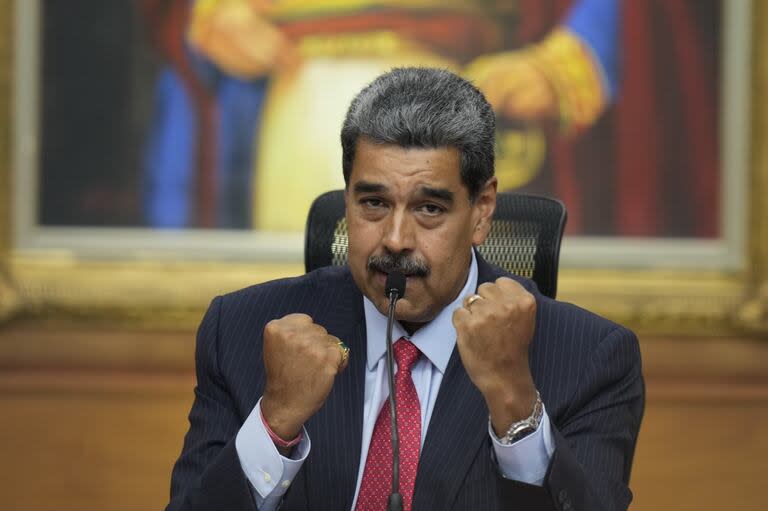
[{"x": 523, "y": 427}]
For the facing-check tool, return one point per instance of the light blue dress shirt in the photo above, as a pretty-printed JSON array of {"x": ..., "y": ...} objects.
[{"x": 271, "y": 474}]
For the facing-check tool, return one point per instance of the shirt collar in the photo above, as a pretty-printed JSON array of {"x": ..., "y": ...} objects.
[{"x": 435, "y": 340}]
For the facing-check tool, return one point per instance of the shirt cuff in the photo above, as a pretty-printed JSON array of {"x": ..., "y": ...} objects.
[
  {"x": 269, "y": 473},
  {"x": 526, "y": 460}
]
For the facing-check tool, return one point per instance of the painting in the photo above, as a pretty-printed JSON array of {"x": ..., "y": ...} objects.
[
  {"x": 210, "y": 114},
  {"x": 156, "y": 132}
]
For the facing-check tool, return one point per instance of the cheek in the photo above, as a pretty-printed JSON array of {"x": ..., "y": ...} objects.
[
  {"x": 362, "y": 241},
  {"x": 449, "y": 258},
  {"x": 442, "y": 262}
]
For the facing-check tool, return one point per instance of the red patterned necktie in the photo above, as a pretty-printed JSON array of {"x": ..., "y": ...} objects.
[{"x": 377, "y": 477}]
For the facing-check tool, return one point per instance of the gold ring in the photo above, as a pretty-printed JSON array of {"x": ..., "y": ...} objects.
[
  {"x": 344, "y": 353},
  {"x": 472, "y": 299}
]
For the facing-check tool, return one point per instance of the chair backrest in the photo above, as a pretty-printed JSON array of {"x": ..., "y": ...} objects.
[{"x": 525, "y": 236}]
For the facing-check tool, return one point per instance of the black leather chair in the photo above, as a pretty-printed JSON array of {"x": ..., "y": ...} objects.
[{"x": 525, "y": 236}]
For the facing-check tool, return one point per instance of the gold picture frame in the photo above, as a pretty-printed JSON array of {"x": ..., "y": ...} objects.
[{"x": 168, "y": 293}]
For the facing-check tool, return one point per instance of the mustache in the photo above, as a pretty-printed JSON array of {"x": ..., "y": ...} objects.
[{"x": 387, "y": 263}]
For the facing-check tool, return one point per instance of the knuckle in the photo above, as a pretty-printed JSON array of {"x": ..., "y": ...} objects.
[
  {"x": 318, "y": 357},
  {"x": 300, "y": 346},
  {"x": 315, "y": 330},
  {"x": 510, "y": 306},
  {"x": 473, "y": 323},
  {"x": 485, "y": 286},
  {"x": 331, "y": 369},
  {"x": 498, "y": 314},
  {"x": 332, "y": 357},
  {"x": 299, "y": 317},
  {"x": 508, "y": 284},
  {"x": 528, "y": 302},
  {"x": 460, "y": 316},
  {"x": 272, "y": 328}
]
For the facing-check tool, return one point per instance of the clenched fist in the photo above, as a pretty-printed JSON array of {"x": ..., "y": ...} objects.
[
  {"x": 301, "y": 360},
  {"x": 493, "y": 331}
]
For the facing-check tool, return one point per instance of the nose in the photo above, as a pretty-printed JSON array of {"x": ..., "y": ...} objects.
[{"x": 399, "y": 235}]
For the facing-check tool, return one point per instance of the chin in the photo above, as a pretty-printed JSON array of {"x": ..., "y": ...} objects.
[{"x": 405, "y": 313}]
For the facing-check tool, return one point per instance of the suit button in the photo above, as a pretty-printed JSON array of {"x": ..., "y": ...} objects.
[
  {"x": 567, "y": 506},
  {"x": 562, "y": 496}
]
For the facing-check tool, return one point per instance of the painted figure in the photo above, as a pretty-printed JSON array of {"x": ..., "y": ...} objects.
[{"x": 582, "y": 103}]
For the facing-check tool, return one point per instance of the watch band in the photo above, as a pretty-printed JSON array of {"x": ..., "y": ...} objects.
[{"x": 521, "y": 428}]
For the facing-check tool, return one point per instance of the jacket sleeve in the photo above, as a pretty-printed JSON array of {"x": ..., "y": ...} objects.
[
  {"x": 594, "y": 437},
  {"x": 208, "y": 474}
]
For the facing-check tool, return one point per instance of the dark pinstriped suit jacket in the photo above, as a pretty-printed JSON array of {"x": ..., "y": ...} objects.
[{"x": 586, "y": 368}]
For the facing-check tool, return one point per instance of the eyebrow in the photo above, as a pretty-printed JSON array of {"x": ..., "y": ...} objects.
[
  {"x": 368, "y": 187},
  {"x": 443, "y": 194},
  {"x": 437, "y": 193}
]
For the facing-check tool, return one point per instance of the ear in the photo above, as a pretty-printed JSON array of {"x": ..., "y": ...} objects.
[{"x": 482, "y": 211}]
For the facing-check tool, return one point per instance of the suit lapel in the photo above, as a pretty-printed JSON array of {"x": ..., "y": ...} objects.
[
  {"x": 336, "y": 430},
  {"x": 457, "y": 429}
]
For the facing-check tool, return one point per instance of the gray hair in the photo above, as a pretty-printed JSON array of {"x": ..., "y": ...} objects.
[{"x": 424, "y": 107}]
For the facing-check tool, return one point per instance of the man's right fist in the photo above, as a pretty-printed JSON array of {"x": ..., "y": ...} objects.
[{"x": 301, "y": 360}]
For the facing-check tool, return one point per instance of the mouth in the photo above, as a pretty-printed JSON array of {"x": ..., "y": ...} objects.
[{"x": 381, "y": 278}]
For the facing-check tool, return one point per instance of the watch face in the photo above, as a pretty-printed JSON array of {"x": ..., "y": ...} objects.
[
  {"x": 520, "y": 433},
  {"x": 525, "y": 427}
]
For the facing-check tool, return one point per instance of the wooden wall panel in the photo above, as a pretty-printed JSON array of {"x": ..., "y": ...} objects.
[
  {"x": 697, "y": 456},
  {"x": 99, "y": 428},
  {"x": 102, "y": 441}
]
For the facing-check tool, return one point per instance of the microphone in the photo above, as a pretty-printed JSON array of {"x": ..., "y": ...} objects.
[
  {"x": 394, "y": 289},
  {"x": 395, "y": 284}
]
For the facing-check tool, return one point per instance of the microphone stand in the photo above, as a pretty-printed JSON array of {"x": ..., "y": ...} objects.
[{"x": 395, "y": 289}]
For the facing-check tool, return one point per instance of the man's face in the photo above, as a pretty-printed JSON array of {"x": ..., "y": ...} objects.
[{"x": 408, "y": 210}]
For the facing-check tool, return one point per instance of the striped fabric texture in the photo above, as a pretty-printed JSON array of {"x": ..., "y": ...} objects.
[{"x": 586, "y": 368}]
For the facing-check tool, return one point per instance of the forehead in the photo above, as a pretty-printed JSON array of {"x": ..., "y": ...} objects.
[{"x": 403, "y": 168}]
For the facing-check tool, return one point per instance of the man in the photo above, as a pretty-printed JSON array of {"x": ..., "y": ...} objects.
[{"x": 506, "y": 399}]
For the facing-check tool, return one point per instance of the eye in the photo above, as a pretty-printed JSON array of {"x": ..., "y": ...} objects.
[
  {"x": 431, "y": 209},
  {"x": 372, "y": 202}
]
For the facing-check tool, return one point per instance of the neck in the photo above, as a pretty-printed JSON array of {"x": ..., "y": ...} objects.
[{"x": 411, "y": 327}]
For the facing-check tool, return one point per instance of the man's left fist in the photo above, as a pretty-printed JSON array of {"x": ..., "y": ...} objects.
[{"x": 493, "y": 331}]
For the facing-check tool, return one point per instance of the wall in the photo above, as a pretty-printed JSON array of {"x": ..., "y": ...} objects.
[{"x": 94, "y": 418}]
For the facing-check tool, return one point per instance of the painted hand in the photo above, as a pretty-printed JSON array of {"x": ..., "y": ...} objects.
[
  {"x": 240, "y": 39},
  {"x": 514, "y": 86}
]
